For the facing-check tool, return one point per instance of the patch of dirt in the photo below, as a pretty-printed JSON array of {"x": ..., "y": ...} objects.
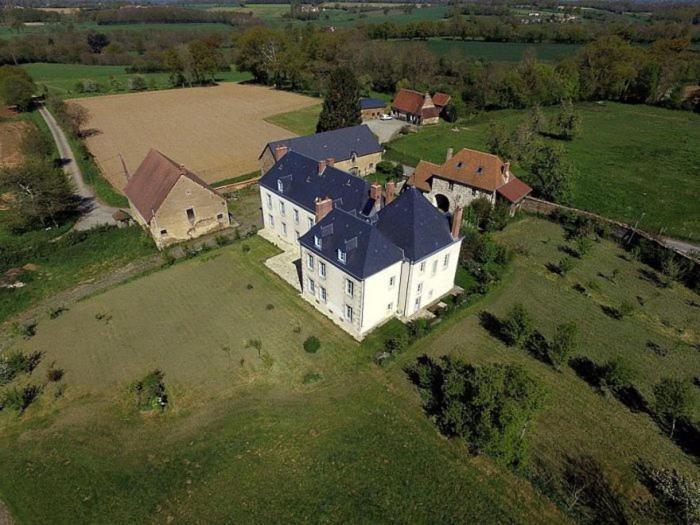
[
  {"x": 11, "y": 134},
  {"x": 217, "y": 132},
  {"x": 5, "y": 518}
]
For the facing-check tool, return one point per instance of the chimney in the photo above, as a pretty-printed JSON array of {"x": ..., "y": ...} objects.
[
  {"x": 506, "y": 171},
  {"x": 456, "y": 222},
  {"x": 281, "y": 151},
  {"x": 321, "y": 166},
  {"x": 330, "y": 161},
  {"x": 323, "y": 207},
  {"x": 449, "y": 154},
  {"x": 390, "y": 188},
  {"x": 375, "y": 192}
]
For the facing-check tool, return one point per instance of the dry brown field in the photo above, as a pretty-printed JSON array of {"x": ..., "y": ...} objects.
[
  {"x": 11, "y": 135},
  {"x": 217, "y": 132}
]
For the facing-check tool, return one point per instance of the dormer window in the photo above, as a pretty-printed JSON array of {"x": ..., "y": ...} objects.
[
  {"x": 460, "y": 164},
  {"x": 342, "y": 255},
  {"x": 479, "y": 170},
  {"x": 280, "y": 186},
  {"x": 317, "y": 241}
]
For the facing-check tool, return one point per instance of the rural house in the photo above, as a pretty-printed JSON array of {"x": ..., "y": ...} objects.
[
  {"x": 366, "y": 255},
  {"x": 173, "y": 203},
  {"x": 467, "y": 176},
  {"x": 354, "y": 149},
  {"x": 371, "y": 108},
  {"x": 418, "y": 108}
]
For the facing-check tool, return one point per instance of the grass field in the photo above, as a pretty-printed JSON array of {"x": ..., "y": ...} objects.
[
  {"x": 321, "y": 432},
  {"x": 629, "y": 160},
  {"x": 217, "y": 132},
  {"x": 300, "y": 122},
  {"x": 61, "y": 79},
  {"x": 7, "y": 32},
  {"x": 330, "y": 435}
]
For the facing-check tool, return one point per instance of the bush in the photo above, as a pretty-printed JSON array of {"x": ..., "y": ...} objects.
[
  {"x": 150, "y": 391},
  {"x": 54, "y": 375},
  {"x": 19, "y": 399},
  {"x": 615, "y": 374},
  {"x": 312, "y": 344},
  {"x": 563, "y": 344},
  {"x": 516, "y": 326},
  {"x": 16, "y": 363},
  {"x": 678, "y": 495}
]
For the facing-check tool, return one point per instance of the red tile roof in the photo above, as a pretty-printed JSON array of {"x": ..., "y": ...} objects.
[
  {"x": 152, "y": 181},
  {"x": 409, "y": 101},
  {"x": 441, "y": 99},
  {"x": 469, "y": 167},
  {"x": 515, "y": 190}
]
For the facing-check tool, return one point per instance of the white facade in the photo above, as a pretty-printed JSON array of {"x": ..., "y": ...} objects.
[
  {"x": 357, "y": 305},
  {"x": 424, "y": 282},
  {"x": 281, "y": 217}
]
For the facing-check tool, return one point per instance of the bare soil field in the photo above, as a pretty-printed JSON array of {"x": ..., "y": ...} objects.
[
  {"x": 11, "y": 134},
  {"x": 217, "y": 132}
]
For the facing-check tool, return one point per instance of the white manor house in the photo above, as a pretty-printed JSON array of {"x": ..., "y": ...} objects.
[{"x": 366, "y": 254}]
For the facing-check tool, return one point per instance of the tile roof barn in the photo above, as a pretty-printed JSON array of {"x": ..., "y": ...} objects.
[
  {"x": 152, "y": 181},
  {"x": 301, "y": 180},
  {"x": 340, "y": 144}
]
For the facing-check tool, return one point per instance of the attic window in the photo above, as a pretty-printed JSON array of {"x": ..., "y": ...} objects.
[
  {"x": 317, "y": 241},
  {"x": 460, "y": 164},
  {"x": 479, "y": 170},
  {"x": 280, "y": 186},
  {"x": 342, "y": 255}
]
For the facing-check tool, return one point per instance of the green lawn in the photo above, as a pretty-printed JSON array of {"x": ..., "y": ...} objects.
[
  {"x": 251, "y": 436},
  {"x": 62, "y": 264},
  {"x": 578, "y": 420},
  {"x": 629, "y": 160},
  {"x": 62, "y": 78},
  {"x": 301, "y": 121}
]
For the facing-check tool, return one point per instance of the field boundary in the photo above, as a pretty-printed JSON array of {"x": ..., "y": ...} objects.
[{"x": 619, "y": 229}]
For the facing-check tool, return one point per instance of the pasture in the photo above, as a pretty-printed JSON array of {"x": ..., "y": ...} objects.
[
  {"x": 629, "y": 160},
  {"x": 498, "y": 51},
  {"x": 61, "y": 79},
  {"x": 273, "y": 434},
  {"x": 217, "y": 132},
  {"x": 47, "y": 29}
]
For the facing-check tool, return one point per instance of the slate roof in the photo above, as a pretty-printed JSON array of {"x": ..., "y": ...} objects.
[
  {"x": 302, "y": 183},
  {"x": 372, "y": 103},
  {"x": 152, "y": 181},
  {"x": 339, "y": 144},
  {"x": 367, "y": 249},
  {"x": 415, "y": 225}
]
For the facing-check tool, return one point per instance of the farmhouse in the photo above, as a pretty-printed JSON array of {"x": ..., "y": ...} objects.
[
  {"x": 173, "y": 203},
  {"x": 354, "y": 149},
  {"x": 419, "y": 108},
  {"x": 371, "y": 108},
  {"x": 467, "y": 176},
  {"x": 366, "y": 255}
]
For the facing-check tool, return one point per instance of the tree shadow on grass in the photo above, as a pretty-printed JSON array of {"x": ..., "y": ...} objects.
[
  {"x": 587, "y": 370},
  {"x": 538, "y": 347},
  {"x": 651, "y": 277},
  {"x": 493, "y": 326}
]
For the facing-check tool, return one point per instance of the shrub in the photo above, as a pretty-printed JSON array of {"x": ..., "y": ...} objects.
[
  {"x": 673, "y": 400},
  {"x": 222, "y": 240},
  {"x": 269, "y": 306},
  {"x": 150, "y": 391},
  {"x": 311, "y": 377},
  {"x": 312, "y": 344},
  {"x": 615, "y": 374},
  {"x": 516, "y": 326},
  {"x": 19, "y": 399},
  {"x": 16, "y": 363},
  {"x": 54, "y": 375},
  {"x": 677, "y": 494},
  {"x": 489, "y": 406},
  {"x": 563, "y": 343},
  {"x": 57, "y": 312},
  {"x": 565, "y": 266},
  {"x": 25, "y": 330},
  {"x": 246, "y": 248}
]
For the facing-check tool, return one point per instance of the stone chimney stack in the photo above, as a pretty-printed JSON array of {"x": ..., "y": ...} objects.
[
  {"x": 280, "y": 151},
  {"x": 506, "y": 171},
  {"x": 323, "y": 207},
  {"x": 449, "y": 154},
  {"x": 321, "y": 166},
  {"x": 456, "y": 222},
  {"x": 390, "y": 189},
  {"x": 375, "y": 192}
]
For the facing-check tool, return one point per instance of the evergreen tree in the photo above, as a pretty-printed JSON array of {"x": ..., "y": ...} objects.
[{"x": 341, "y": 107}]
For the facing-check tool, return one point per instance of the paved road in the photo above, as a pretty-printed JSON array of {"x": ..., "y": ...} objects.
[
  {"x": 693, "y": 250},
  {"x": 93, "y": 212}
]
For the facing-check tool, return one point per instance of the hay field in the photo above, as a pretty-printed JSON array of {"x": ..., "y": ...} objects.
[{"x": 217, "y": 132}]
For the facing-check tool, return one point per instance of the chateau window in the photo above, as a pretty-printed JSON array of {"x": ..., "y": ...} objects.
[
  {"x": 422, "y": 266},
  {"x": 269, "y": 201},
  {"x": 434, "y": 266},
  {"x": 392, "y": 281},
  {"x": 312, "y": 286},
  {"x": 420, "y": 288},
  {"x": 164, "y": 232},
  {"x": 349, "y": 287},
  {"x": 282, "y": 207},
  {"x": 310, "y": 261},
  {"x": 190, "y": 214},
  {"x": 348, "y": 313},
  {"x": 317, "y": 241},
  {"x": 311, "y": 222},
  {"x": 284, "y": 229},
  {"x": 342, "y": 256},
  {"x": 280, "y": 186},
  {"x": 323, "y": 294},
  {"x": 271, "y": 219},
  {"x": 220, "y": 216},
  {"x": 322, "y": 269},
  {"x": 296, "y": 216},
  {"x": 446, "y": 260},
  {"x": 390, "y": 307}
]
